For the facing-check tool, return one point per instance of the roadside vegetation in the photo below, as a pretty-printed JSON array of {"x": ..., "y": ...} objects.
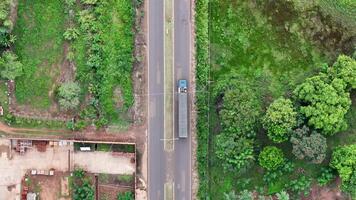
[
  {"x": 278, "y": 107},
  {"x": 70, "y": 59}
]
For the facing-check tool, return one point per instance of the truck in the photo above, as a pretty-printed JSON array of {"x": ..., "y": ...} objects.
[{"x": 182, "y": 108}]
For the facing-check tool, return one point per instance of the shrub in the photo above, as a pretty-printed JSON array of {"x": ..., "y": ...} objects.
[
  {"x": 300, "y": 185},
  {"x": 125, "y": 196},
  {"x": 10, "y": 67},
  {"x": 71, "y": 34},
  {"x": 235, "y": 153},
  {"x": 283, "y": 195},
  {"x": 241, "y": 107},
  {"x": 68, "y": 95},
  {"x": 327, "y": 175},
  {"x": 271, "y": 158},
  {"x": 280, "y": 119},
  {"x": 312, "y": 148}
]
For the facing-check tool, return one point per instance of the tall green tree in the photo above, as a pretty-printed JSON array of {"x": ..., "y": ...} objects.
[
  {"x": 324, "y": 103},
  {"x": 280, "y": 119},
  {"x": 10, "y": 67},
  {"x": 344, "y": 68}
]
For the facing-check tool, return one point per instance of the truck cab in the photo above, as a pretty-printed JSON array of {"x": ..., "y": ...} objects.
[{"x": 182, "y": 86}]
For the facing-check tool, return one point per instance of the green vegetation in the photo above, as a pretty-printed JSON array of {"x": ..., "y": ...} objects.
[
  {"x": 312, "y": 148},
  {"x": 202, "y": 97},
  {"x": 324, "y": 103},
  {"x": 125, "y": 196},
  {"x": 271, "y": 158},
  {"x": 68, "y": 95},
  {"x": 266, "y": 60},
  {"x": 280, "y": 119},
  {"x": 39, "y": 31},
  {"x": 343, "y": 160},
  {"x": 104, "y": 54},
  {"x": 9, "y": 66},
  {"x": 81, "y": 186}
]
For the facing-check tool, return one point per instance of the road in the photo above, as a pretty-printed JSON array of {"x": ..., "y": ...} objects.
[{"x": 166, "y": 166}]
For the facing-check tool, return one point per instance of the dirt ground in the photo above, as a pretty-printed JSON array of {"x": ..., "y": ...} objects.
[
  {"x": 50, "y": 186},
  {"x": 14, "y": 166}
]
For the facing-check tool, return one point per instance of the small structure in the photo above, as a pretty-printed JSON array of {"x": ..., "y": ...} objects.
[
  {"x": 31, "y": 196},
  {"x": 84, "y": 148}
]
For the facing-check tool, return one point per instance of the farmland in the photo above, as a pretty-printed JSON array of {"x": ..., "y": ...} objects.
[{"x": 260, "y": 52}]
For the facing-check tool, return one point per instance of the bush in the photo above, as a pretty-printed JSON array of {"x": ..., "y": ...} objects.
[
  {"x": 312, "y": 148},
  {"x": 280, "y": 119},
  {"x": 125, "y": 196},
  {"x": 71, "y": 34},
  {"x": 326, "y": 176},
  {"x": 241, "y": 107},
  {"x": 68, "y": 95},
  {"x": 300, "y": 185},
  {"x": 235, "y": 153},
  {"x": 10, "y": 67},
  {"x": 271, "y": 158}
]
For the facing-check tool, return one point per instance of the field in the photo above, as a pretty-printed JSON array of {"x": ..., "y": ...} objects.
[
  {"x": 39, "y": 31},
  {"x": 247, "y": 41},
  {"x": 98, "y": 56}
]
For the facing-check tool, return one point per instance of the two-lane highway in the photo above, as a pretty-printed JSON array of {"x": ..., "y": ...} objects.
[{"x": 163, "y": 166}]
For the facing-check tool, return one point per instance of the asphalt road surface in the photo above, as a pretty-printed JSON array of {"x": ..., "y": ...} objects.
[{"x": 165, "y": 166}]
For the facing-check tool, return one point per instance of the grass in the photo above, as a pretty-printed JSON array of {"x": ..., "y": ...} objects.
[
  {"x": 39, "y": 30},
  {"x": 118, "y": 40},
  {"x": 244, "y": 40},
  {"x": 168, "y": 75}
]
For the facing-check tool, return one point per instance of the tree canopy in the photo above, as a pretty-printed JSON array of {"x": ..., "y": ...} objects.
[
  {"x": 324, "y": 103},
  {"x": 343, "y": 160},
  {"x": 312, "y": 148},
  {"x": 344, "y": 68},
  {"x": 271, "y": 158},
  {"x": 236, "y": 153},
  {"x": 279, "y": 120},
  {"x": 10, "y": 67}
]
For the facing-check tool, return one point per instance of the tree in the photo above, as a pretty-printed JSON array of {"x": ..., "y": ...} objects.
[
  {"x": 68, "y": 94},
  {"x": 279, "y": 120},
  {"x": 343, "y": 160},
  {"x": 240, "y": 112},
  {"x": 344, "y": 68},
  {"x": 9, "y": 66},
  {"x": 271, "y": 158},
  {"x": 241, "y": 107},
  {"x": 283, "y": 195},
  {"x": 312, "y": 148},
  {"x": 236, "y": 153},
  {"x": 324, "y": 103}
]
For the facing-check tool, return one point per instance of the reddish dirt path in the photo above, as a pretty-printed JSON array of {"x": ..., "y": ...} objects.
[{"x": 134, "y": 134}]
